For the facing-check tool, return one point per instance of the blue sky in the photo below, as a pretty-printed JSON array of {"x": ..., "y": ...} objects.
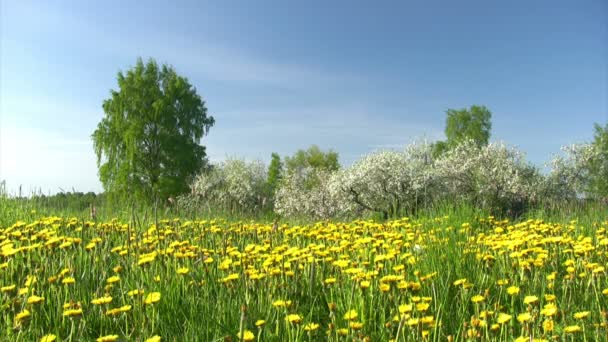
[{"x": 282, "y": 75}]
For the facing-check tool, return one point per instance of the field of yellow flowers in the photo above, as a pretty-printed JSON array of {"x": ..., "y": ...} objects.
[{"x": 67, "y": 279}]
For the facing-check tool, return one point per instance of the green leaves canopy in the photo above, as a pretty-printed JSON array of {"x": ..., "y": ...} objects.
[
  {"x": 147, "y": 144},
  {"x": 598, "y": 165},
  {"x": 465, "y": 124},
  {"x": 473, "y": 123}
]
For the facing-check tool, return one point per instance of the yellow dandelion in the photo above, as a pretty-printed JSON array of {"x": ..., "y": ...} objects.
[
  {"x": 549, "y": 310},
  {"x": 355, "y": 325},
  {"x": 477, "y": 299},
  {"x": 572, "y": 329},
  {"x": 329, "y": 281},
  {"x": 111, "y": 280},
  {"x": 311, "y": 327},
  {"x": 68, "y": 280},
  {"x": 293, "y": 318},
  {"x": 351, "y": 315},
  {"x": 513, "y": 290},
  {"x": 460, "y": 282},
  {"x": 23, "y": 315},
  {"x": 101, "y": 300},
  {"x": 35, "y": 299},
  {"x": 524, "y": 317},
  {"x": 136, "y": 292},
  {"x": 530, "y": 299},
  {"x": 503, "y": 318},
  {"x": 107, "y": 338},
  {"x": 281, "y": 303},
  {"x": 154, "y": 338},
  {"x": 8, "y": 288},
  {"x": 152, "y": 298},
  {"x": 48, "y": 338},
  {"x": 72, "y": 312},
  {"x": 260, "y": 323}
]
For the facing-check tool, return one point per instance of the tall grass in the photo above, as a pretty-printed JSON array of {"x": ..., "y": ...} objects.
[{"x": 444, "y": 256}]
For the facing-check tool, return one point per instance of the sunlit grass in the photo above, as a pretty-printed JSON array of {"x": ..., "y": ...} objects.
[{"x": 424, "y": 279}]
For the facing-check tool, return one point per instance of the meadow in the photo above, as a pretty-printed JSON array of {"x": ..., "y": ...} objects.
[{"x": 456, "y": 276}]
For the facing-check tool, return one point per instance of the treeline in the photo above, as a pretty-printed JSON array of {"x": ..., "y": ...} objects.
[
  {"x": 150, "y": 156},
  {"x": 463, "y": 169}
]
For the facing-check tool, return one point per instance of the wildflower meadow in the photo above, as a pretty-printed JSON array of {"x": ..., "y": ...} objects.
[{"x": 433, "y": 279}]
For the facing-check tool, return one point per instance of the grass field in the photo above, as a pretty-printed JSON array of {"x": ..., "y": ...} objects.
[{"x": 451, "y": 277}]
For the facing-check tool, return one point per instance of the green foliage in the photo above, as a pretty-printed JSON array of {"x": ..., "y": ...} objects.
[
  {"x": 275, "y": 170},
  {"x": 598, "y": 165},
  {"x": 308, "y": 163},
  {"x": 148, "y": 143},
  {"x": 313, "y": 158},
  {"x": 465, "y": 124}
]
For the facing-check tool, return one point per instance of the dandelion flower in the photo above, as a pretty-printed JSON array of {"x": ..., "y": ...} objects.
[
  {"x": 48, "y": 338},
  {"x": 530, "y": 299},
  {"x": 311, "y": 327},
  {"x": 152, "y": 298},
  {"x": 503, "y": 318},
  {"x": 524, "y": 317},
  {"x": 260, "y": 323},
  {"x": 293, "y": 318},
  {"x": 101, "y": 300},
  {"x": 549, "y": 310},
  {"x": 513, "y": 290},
  {"x": 35, "y": 299},
  {"x": 111, "y": 280},
  {"x": 460, "y": 282},
  {"x": 8, "y": 288},
  {"x": 23, "y": 315},
  {"x": 351, "y": 315},
  {"x": 477, "y": 299},
  {"x": 135, "y": 292},
  {"x": 72, "y": 312},
  {"x": 68, "y": 280},
  {"x": 572, "y": 329},
  {"x": 355, "y": 325},
  {"x": 107, "y": 338}
]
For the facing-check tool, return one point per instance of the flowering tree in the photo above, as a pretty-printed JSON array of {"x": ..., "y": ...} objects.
[
  {"x": 493, "y": 176},
  {"x": 232, "y": 185},
  {"x": 295, "y": 196},
  {"x": 387, "y": 181}
]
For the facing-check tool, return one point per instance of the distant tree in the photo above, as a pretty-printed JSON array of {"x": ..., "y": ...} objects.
[
  {"x": 598, "y": 165},
  {"x": 313, "y": 158},
  {"x": 234, "y": 185},
  {"x": 148, "y": 142},
  {"x": 387, "y": 182},
  {"x": 464, "y": 125},
  {"x": 275, "y": 170}
]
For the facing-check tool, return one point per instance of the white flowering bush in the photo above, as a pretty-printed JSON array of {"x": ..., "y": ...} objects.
[
  {"x": 307, "y": 193},
  {"x": 387, "y": 182},
  {"x": 570, "y": 172},
  {"x": 233, "y": 185},
  {"x": 494, "y": 176}
]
